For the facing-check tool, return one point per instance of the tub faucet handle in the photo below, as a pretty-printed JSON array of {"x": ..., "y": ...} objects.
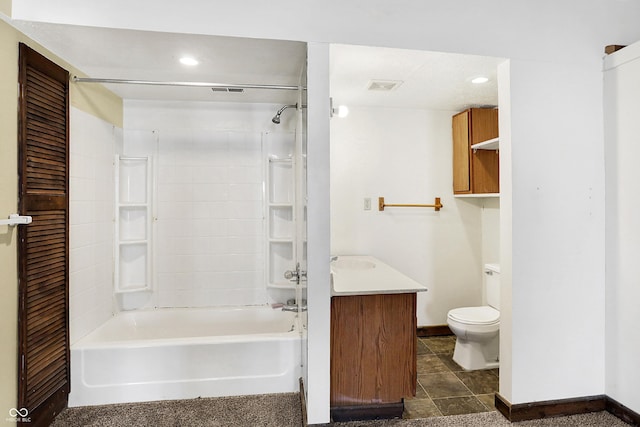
[{"x": 295, "y": 275}]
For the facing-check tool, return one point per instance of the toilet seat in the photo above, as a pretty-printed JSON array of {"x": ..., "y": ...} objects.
[{"x": 484, "y": 315}]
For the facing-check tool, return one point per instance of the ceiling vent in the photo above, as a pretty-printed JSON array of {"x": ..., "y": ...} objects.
[
  {"x": 228, "y": 89},
  {"x": 384, "y": 85}
]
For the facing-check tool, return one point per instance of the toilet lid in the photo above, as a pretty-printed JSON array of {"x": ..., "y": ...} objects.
[{"x": 475, "y": 315}]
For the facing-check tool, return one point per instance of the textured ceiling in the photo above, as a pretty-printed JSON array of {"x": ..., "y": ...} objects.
[
  {"x": 144, "y": 55},
  {"x": 430, "y": 80}
]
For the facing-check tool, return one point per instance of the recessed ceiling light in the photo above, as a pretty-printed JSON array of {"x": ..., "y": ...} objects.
[
  {"x": 479, "y": 80},
  {"x": 188, "y": 60}
]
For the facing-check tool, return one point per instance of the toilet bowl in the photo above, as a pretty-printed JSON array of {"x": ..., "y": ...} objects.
[{"x": 477, "y": 329}]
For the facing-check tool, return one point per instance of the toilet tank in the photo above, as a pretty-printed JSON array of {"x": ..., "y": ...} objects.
[{"x": 492, "y": 285}]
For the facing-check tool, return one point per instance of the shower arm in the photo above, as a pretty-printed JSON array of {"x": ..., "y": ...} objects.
[
  {"x": 276, "y": 118},
  {"x": 285, "y": 107}
]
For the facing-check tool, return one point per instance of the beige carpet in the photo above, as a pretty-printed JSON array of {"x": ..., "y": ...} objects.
[{"x": 279, "y": 410}]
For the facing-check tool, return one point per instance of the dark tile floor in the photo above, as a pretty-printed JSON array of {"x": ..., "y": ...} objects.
[{"x": 444, "y": 388}]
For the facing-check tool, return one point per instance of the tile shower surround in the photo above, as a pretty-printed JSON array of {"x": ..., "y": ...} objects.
[
  {"x": 209, "y": 232},
  {"x": 444, "y": 388},
  {"x": 92, "y": 146}
]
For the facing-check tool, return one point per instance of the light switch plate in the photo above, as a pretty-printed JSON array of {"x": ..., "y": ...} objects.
[{"x": 367, "y": 203}]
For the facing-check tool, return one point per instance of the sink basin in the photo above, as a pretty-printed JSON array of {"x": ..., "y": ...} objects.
[
  {"x": 367, "y": 275},
  {"x": 353, "y": 264}
]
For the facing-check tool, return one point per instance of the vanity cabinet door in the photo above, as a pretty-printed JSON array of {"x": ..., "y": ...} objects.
[{"x": 373, "y": 349}]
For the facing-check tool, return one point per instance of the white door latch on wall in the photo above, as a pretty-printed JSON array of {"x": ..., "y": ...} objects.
[{"x": 15, "y": 219}]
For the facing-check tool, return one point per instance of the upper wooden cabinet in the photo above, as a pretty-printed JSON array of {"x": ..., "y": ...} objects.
[{"x": 475, "y": 171}]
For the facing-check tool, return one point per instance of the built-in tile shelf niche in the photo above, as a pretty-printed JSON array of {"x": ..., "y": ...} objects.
[{"x": 133, "y": 221}]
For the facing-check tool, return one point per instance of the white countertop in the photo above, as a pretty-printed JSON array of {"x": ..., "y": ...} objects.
[{"x": 367, "y": 275}]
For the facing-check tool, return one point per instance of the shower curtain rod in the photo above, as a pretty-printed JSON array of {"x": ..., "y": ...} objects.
[{"x": 77, "y": 79}]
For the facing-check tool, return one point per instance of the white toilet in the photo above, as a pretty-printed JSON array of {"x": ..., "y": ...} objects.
[{"x": 478, "y": 328}]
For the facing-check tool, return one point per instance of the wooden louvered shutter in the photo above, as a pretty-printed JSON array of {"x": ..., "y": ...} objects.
[{"x": 43, "y": 167}]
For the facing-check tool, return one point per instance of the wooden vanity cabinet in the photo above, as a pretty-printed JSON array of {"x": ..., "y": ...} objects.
[
  {"x": 475, "y": 171},
  {"x": 373, "y": 355}
]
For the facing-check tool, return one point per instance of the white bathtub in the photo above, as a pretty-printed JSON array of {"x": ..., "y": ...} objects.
[{"x": 186, "y": 353}]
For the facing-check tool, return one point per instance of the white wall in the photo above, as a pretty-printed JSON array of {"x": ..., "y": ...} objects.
[
  {"x": 557, "y": 226},
  {"x": 93, "y": 144},
  {"x": 318, "y": 226},
  {"x": 506, "y": 230},
  {"x": 622, "y": 91},
  {"x": 209, "y": 232},
  {"x": 405, "y": 156},
  {"x": 490, "y": 220},
  {"x": 555, "y": 218}
]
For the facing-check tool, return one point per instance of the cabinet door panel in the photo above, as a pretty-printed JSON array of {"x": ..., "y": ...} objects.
[
  {"x": 461, "y": 170},
  {"x": 373, "y": 349}
]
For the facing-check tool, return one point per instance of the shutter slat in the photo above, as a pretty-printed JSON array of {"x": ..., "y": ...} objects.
[
  {"x": 42, "y": 110},
  {"x": 45, "y": 101},
  {"x": 44, "y": 155},
  {"x": 46, "y": 280},
  {"x": 42, "y": 331},
  {"x": 45, "y": 139},
  {"x": 49, "y": 375},
  {"x": 50, "y": 96},
  {"x": 47, "y": 306},
  {"x": 47, "y": 238},
  {"x": 55, "y": 134},
  {"x": 46, "y": 339},
  {"x": 43, "y": 269},
  {"x": 47, "y": 83},
  {"x": 45, "y": 375},
  {"x": 38, "y": 79},
  {"x": 41, "y": 125},
  {"x": 40, "y": 394},
  {"x": 51, "y": 251},
  {"x": 37, "y": 162},
  {"x": 42, "y": 356}
]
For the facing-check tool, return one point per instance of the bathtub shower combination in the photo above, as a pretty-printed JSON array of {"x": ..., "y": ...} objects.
[
  {"x": 241, "y": 333},
  {"x": 147, "y": 355}
]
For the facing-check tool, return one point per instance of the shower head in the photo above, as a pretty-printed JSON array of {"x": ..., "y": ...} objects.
[{"x": 276, "y": 118}]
